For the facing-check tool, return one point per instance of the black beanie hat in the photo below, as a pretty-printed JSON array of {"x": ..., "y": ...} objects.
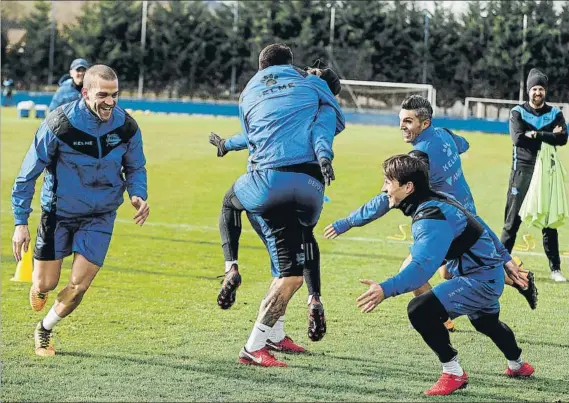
[{"x": 536, "y": 77}]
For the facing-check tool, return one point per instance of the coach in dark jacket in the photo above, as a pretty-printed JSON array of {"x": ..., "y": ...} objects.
[{"x": 531, "y": 124}]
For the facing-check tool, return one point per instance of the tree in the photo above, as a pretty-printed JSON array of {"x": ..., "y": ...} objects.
[
  {"x": 504, "y": 53},
  {"x": 31, "y": 64},
  {"x": 4, "y": 40},
  {"x": 108, "y": 32},
  {"x": 357, "y": 24},
  {"x": 443, "y": 56},
  {"x": 189, "y": 47},
  {"x": 541, "y": 50},
  {"x": 397, "y": 52},
  {"x": 475, "y": 36},
  {"x": 562, "y": 51}
]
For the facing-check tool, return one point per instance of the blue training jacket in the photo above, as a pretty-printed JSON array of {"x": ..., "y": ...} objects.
[
  {"x": 436, "y": 224},
  {"x": 67, "y": 92},
  {"x": 278, "y": 111},
  {"x": 441, "y": 149},
  {"x": 323, "y": 132},
  {"x": 88, "y": 163}
]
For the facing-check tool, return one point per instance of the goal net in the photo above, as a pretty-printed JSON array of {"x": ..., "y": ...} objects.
[
  {"x": 498, "y": 109},
  {"x": 379, "y": 96}
]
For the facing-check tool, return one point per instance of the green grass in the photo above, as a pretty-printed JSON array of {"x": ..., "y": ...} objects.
[{"x": 149, "y": 328}]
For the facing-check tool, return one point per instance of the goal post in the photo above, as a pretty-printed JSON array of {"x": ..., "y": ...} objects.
[{"x": 382, "y": 96}]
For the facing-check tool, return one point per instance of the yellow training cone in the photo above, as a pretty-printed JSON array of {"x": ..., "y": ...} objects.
[
  {"x": 529, "y": 243},
  {"x": 403, "y": 231},
  {"x": 25, "y": 267}
]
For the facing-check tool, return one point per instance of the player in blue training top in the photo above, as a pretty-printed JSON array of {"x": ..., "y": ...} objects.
[
  {"x": 91, "y": 152},
  {"x": 70, "y": 85},
  {"x": 444, "y": 230},
  {"x": 284, "y": 187},
  {"x": 323, "y": 131},
  {"x": 440, "y": 149}
]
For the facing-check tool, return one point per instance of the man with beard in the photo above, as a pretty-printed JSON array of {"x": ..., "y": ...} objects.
[
  {"x": 84, "y": 147},
  {"x": 531, "y": 124},
  {"x": 70, "y": 85}
]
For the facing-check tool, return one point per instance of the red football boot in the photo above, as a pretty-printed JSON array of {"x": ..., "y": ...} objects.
[
  {"x": 286, "y": 345},
  {"x": 447, "y": 384},
  {"x": 261, "y": 357},
  {"x": 525, "y": 370}
]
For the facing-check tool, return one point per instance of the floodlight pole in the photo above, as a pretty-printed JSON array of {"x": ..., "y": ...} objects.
[
  {"x": 332, "y": 26},
  {"x": 426, "y": 43},
  {"x": 51, "y": 45},
  {"x": 521, "y": 96},
  {"x": 234, "y": 67},
  {"x": 142, "y": 48}
]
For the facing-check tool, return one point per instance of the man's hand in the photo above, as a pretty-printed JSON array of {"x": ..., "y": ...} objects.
[
  {"x": 218, "y": 142},
  {"x": 328, "y": 75},
  {"x": 327, "y": 170},
  {"x": 330, "y": 232},
  {"x": 21, "y": 238},
  {"x": 142, "y": 210},
  {"x": 557, "y": 129},
  {"x": 371, "y": 298},
  {"x": 514, "y": 272},
  {"x": 531, "y": 134}
]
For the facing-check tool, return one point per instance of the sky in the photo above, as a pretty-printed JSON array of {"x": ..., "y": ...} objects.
[{"x": 461, "y": 6}]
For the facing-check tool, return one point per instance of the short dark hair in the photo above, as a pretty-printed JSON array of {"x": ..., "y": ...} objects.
[
  {"x": 405, "y": 168},
  {"x": 274, "y": 55},
  {"x": 98, "y": 71},
  {"x": 420, "y": 105}
]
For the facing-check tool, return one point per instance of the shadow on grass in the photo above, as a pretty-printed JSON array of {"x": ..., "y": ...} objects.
[
  {"x": 262, "y": 377},
  {"x": 389, "y": 381}
]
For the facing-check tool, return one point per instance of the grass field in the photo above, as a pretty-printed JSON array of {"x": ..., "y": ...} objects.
[{"x": 149, "y": 328}]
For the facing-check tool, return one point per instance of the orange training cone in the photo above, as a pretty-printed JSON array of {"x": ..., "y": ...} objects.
[{"x": 25, "y": 267}]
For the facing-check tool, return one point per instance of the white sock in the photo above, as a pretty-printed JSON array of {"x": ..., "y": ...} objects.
[
  {"x": 258, "y": 337},
  {"x": 453, "y": 367},
  {"x": 516, "y": 364},
  {"x": 229, "y": 264},
  {"x": 50, "y": 319},
  {"x": 312, "y": 296},
  {"x": 277, "y": 333}
]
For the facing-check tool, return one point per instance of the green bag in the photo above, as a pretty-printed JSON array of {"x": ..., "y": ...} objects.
[{"x": 546, "y": 204}]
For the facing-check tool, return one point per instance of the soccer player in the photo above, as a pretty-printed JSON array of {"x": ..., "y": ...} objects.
[
  {"x": 531, "y": 124},
  {"x": 91, "y": 151},
  {"x": 284, "y": 188},
  {"x": 442, "y": 230},
  {"x": 230, "y": 219},
  {"x": 441, "y": 150},
  {"x": 70, "y": 85}
]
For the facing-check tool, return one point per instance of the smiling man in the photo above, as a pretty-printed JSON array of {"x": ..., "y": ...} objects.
[
  {"x": 444, "y": 230},
  {"x": 83, "y": 148},
  {"x": 70, "y": 85},
  {"x": 440, "y": 149},
  {"x": 532, "y": 124}
]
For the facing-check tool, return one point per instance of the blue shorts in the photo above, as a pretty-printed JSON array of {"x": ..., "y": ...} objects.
[
  {"x": 90, "y": 236},
  {"x": 468, "y": 296},
  {"x": 282, "y": 206},
  {"x": 257, "y": 227}
]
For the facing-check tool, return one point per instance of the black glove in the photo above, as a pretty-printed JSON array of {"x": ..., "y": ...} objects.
[
  {"x": 327, "y": 170},
  {"x": 217, "y": 141},
  {"x": 328, "y": 75},
  {"x": 332, "y": 80}
]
